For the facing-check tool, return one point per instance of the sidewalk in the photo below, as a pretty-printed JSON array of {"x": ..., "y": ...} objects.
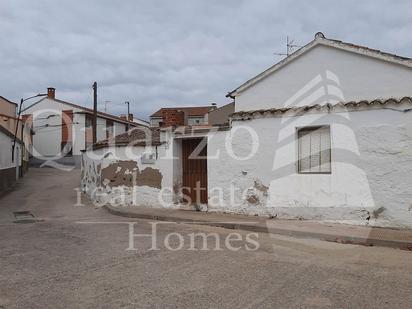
[{"x": 369, "y": 236}]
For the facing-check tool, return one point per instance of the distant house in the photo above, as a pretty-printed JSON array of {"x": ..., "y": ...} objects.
[
  {"x": 324, "y": 134},
  {"x": 221, "y": 115},
  {"x": 192, "y": 116},
  {"x": 10, "y": 168},
  {"x": 135, "y": 120},
  {"x": 63, "y": 129},
  {"x": 8, "y": 121}
]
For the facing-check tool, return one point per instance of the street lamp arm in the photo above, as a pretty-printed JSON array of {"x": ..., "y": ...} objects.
[
  {"x": 18, "y": 119},
  {"x": 35, "y": 96}
]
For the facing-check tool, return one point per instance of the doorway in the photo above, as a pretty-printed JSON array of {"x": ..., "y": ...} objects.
[{"x": 194, "y": 170}]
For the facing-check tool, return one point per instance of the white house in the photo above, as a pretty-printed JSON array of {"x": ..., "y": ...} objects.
[
  {"x": 191, "y": 116},
  {"x": 63, "y": 129},
  {"x": 10, "y": 167},
  {"x": 325, "y": 134}
]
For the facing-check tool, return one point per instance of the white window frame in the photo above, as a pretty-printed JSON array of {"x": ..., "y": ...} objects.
[{"x": 298, "y": 150}]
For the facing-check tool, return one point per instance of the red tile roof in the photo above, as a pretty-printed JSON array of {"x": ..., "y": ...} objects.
[
  {"x": 140, "y": 136},
  {"x": 189, "y": 111},
  {"x": 89, "y": 111}
]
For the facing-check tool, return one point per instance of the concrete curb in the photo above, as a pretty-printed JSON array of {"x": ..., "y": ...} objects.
[{"x": 259, "y": 228}]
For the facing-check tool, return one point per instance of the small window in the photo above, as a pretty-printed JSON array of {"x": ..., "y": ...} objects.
[
  {"x": 109, "y": 129},
  {"x": 314, "y": 150},
  {"x": 89, "y": 121}
]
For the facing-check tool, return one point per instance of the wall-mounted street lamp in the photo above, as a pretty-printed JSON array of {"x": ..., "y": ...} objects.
[{"x": 18, "y": 119}]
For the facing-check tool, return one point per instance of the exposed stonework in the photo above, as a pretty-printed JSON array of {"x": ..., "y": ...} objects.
[
  {"x": 126, "y": 173},
  {"x": 119, "y": 173},
  {"x": 261, "y": 187}
]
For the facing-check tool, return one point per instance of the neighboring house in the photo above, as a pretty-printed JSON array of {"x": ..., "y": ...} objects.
[
  {"x": 135, "y": 120},
  {"x": 221, "y": 115},
  {"x": 190, "y": 116},
  {"x": 140, "y": 121},
  {"x": 8, "y": 120},
  {"x": 325, "y": 134},
  {"x": 63, "y": 129},
  {"x": 10, "y": 168}
]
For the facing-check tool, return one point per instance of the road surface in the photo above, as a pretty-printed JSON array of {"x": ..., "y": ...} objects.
[{"x": 77, "y": 257}]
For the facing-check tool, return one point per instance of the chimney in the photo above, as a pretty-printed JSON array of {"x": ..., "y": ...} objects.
[
  {"x": 51, "y": 92},
  {"x": 130, "y": 117},
  {"x": 214, "y": 106}
]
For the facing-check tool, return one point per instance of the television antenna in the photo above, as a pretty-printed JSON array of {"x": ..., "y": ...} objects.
[
  {"x": 105, "y": 105},
  {"x": 290, "y": 46}
]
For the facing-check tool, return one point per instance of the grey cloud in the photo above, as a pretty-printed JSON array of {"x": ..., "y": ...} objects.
[{"x": 163, "y": 53}]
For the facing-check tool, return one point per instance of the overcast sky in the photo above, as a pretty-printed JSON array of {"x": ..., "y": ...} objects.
[{"x": 173, "y": 53}]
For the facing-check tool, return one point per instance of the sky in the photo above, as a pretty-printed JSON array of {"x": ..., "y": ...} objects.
[{"x": 173, "y": 53}]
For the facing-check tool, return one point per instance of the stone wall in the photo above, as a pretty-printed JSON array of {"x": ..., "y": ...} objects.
[{"x": 122, "y": 176}]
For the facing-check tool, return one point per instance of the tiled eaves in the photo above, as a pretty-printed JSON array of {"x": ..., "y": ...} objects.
[
  {"x": 326, "y": 108},
  {"x": 134, "y": 137}
]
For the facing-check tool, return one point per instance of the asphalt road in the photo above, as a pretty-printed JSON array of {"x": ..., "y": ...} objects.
[{"x": 77, "y": 258}]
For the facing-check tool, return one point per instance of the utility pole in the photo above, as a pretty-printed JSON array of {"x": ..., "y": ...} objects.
[
  {"x": 127, "y": 116},
  {"x": 94, "y": 112}
]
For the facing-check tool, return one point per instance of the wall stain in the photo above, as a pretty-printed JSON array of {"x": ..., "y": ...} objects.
[
  {"x": 261, "y": 187},
  {"x": 377, "y": 212},
  {"x": 253, "y": 199},
  {"x": 126, "y": 173}
]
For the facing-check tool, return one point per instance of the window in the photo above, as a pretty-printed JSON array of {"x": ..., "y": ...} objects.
[
  {"x": 314, "y": 150},
  {"x": 195, "y": 121},
  {"x": 109, "y": 129},
  {"x": 89, "y": 121}
]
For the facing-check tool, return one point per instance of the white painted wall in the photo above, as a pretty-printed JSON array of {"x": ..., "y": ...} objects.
[
  {"x": 79, "y": 138},
  {"x": 371, "y": 168},
  {"x": 6, "y": 143},
  {"x": 119, "y": 128},
  {"x": 327, "y": 75},
  {"x": 101, "y": 129},
  {"x": 47, "y": 140},
  {"x": 155, "y": 121},
  {"x": 94, "y": 161}
]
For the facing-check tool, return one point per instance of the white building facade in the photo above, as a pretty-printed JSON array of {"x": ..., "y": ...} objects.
[
  {"x": 326, "y": 134},
  {"x": 10, "y": 166},
  {"x": 63, "y": 129}
]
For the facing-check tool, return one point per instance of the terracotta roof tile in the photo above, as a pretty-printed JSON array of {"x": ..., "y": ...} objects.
[
  {"x": 140, "y": 136},
  {"x": 189, "y": 111},
  {"x": 299, "y": 110}
]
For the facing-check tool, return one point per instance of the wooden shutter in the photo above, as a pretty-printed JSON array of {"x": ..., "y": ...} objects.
[
  {"x": 325, "y": 148},
  {"x": 314, "y": 150},
  {"x": 304, "y": 151},
  {"x": 109, "y": 128}
]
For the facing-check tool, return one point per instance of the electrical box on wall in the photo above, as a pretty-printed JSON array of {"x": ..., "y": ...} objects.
[{"x": 148, "y": 158}]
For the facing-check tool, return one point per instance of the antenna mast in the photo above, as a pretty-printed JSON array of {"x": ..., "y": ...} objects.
[{"x": 290, "y": 46}]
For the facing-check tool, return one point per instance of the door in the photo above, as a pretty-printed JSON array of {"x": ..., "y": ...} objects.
[{"x": 194, "y": 165}]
